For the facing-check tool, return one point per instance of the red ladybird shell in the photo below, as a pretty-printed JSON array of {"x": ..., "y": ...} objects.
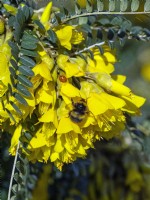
[{"x": 62, "y": 78}]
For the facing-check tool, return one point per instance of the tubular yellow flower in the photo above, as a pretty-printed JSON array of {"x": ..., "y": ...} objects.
[
  {"x": 77, "y": 37},
  {"x": 15, "y": 139},
  {"x": 64, "y": 34},
  {"x": 71, "y": 66},
  {"x": 46, "y": 13},
  {"x": 67, "y": 36},
  {"x": 5, "y": 53}
]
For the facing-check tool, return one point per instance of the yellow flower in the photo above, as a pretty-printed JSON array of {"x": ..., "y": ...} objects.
[
  {"x": 67, "y": 36},
  {"x": 101, "y": 63},
  {"x": 77, "y": 37},
  {"x": 71, "y": 66},
  {"x": 4, "y": 68},
  {"x": 15, "y": 139},
  {"x": 46, "y": 16},
  {"x": 82, "y": 3},
  {"x": 64, "y": 34}
]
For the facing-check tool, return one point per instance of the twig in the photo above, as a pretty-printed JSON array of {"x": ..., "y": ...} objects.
[
  {"x": 13, "y": 171},
  {"x": 103, "y": 13},
  {"x": 87, "y": 48}
]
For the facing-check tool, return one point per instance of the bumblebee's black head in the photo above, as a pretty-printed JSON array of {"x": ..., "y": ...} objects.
[{"x": 80, "y": 107}]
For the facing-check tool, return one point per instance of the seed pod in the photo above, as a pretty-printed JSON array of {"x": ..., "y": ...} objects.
[{"x": 2, "y": 25}]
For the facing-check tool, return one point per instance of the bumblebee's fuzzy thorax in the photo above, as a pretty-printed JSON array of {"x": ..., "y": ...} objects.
[{"x": 79, "y": 111}]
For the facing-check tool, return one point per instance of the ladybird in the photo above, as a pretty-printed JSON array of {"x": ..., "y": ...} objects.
[{"x": 62, "y": 78}]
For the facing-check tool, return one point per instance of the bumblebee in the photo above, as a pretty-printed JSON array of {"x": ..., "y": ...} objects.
[{"x": 79, "y": 111}]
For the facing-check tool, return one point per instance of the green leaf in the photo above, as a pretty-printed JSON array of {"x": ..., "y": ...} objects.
[
  {"x": 52, "y": 36},
  {"x": 28, "y": 45},
  {"x": 112, "y": 5},
  {"x": 100, "y": 5},
  {"x": 26, "y": 12},
  {"x": 16, "y": 108},
  {"x": 147, "y": 6},
  {"x": 30, "y": 11},
  {"x": 14, "y": 49},
  {"x": 57, "y": 19},
  {"x": 28, "y": 136},
  {"x": 76, "y": 82},
  {"x": 25, "y": 146},
  {"x": 25, "y": 70},
  {"x": 117, "y": 21},
  {"x": 27, "y": 37},
  {"x": 110, "y": 34},
  {"x": 135, "y": 30},
  {"x": 66, "y": 12},
  {"x": 14, "y": 46},
  {"x": 123, "y": 5},
  {"x": 12, "y": 80},
  {"x": 18, "y": 178},
  {"x": 89, "y": 6},
  {"x": 10, "y": 115},
  {"x": 14, "y": 198},
  {"x": 91, "y": 54},
  {"x": 11, "y": 21},
  {"x": 27, "y": 52},
  {"x": 24, "y": 80},
  {"x": 135, "y": 5},
  {"x": 20, "y": 167},
  {"x": 25, "y": 60},
  {"x": 23, "y": 90},
  {"x": 100, "y": 48},
  {"x": 89, "y": 40},
  {"x": 15, "y": 188},
  {"x": 111, "y": 44},
  {"x": 126, "y": 25},
  {"x": 20, "y": 99},
  {"x": 9, "y": 88},
  {"x": 121, "y": 34},
  {"x": 17, "y": 32},
  {"x": 77, "y": 9},
  {"x": 104, "y": 21},
  {"x": 86, "y": 28},
  {"x": 83, "y": 57},
  {"x": 39, "y": 24},
  {"x": 122, "y": 41},
  {"x": 83, "y": 20},
  {"x": 13, "y": 72},
  {"x": 2, "y": 102},
  {"x": 20, "y": 17},
  {"x": 99, "y": 34},
  {"x": 15, "y": 55},
  {"x": 14, "y": 64}
]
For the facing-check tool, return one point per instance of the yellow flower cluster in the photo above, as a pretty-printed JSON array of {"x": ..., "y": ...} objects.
[{"x": 76, "y": 101}]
